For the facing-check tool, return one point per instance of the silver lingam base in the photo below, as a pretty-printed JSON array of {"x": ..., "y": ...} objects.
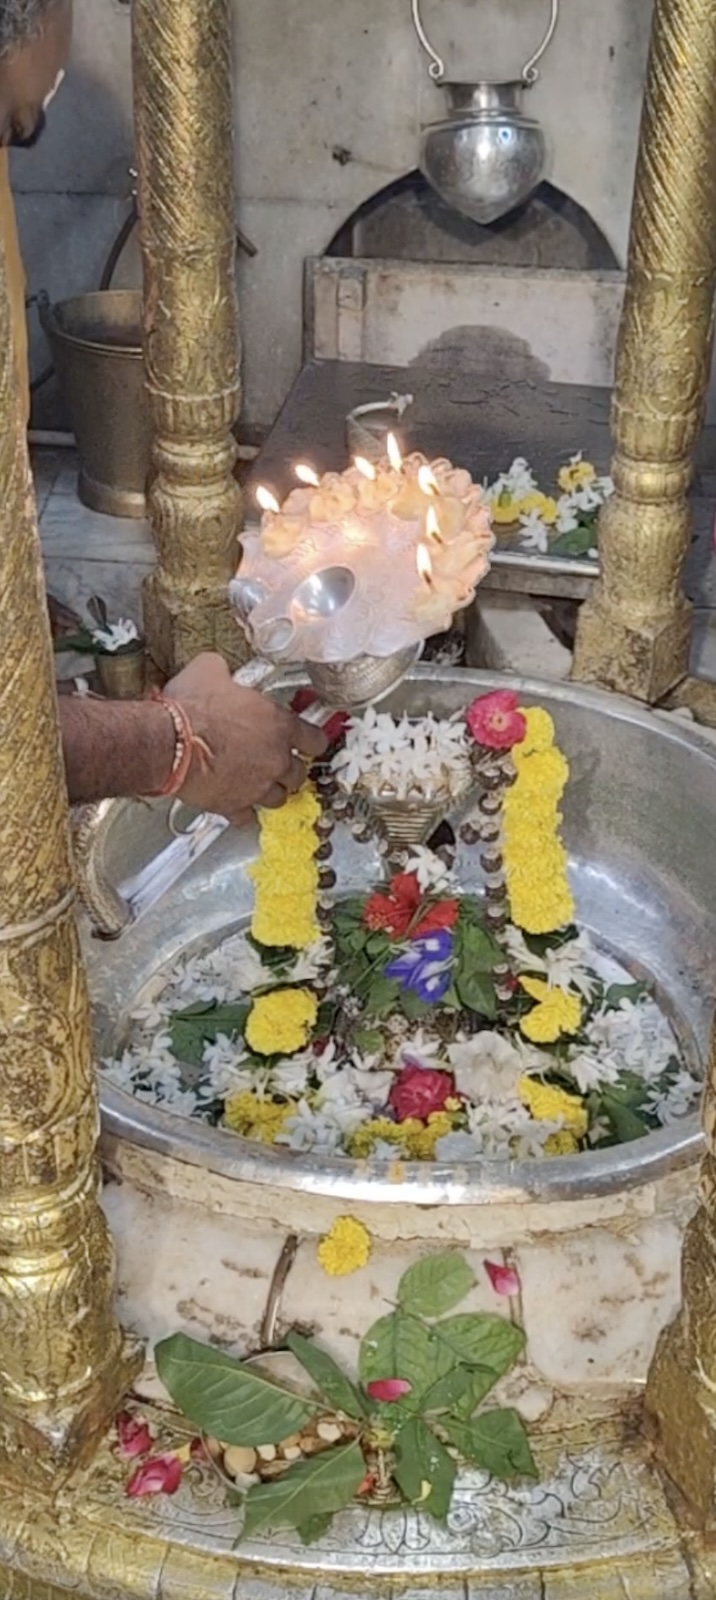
[{"x": 598, "y": 1525}]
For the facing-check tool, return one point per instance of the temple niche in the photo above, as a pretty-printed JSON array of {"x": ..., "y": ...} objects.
[{"x": 405, "y": 1091}]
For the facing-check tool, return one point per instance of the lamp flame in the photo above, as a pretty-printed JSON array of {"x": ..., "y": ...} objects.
[
  {"x": 427, "y": 481},
  {"x": 423, "y": 562},
  {"x": 394, "y": 456},
  {"x": 432, "y": 526},
  {"x": 306, "y": 474},
  {"x": 266, "y": 499},
  {"x": 364, "y": 467}
]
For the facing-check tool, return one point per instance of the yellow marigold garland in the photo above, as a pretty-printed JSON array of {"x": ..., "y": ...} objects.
[
  {"x": 535, "y": 858},
  {"x": 286, "y": 873}
]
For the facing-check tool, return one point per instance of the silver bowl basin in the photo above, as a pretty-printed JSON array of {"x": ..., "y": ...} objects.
[{"x": 639, "y": 815}]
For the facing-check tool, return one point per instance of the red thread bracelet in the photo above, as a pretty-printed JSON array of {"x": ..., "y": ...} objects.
[{"x": 188, "y": 744}]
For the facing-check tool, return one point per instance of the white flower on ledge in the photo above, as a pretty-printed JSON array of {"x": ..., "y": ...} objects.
[
  {"x": 535, "y": 533},
  {"x": 567, "y": 519}
]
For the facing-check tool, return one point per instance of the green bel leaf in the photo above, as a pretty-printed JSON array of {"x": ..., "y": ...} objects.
[
  {"x": 436, "y": 1284},
  {"x": 460, "y": 1391},
  {"x": 480, "y": 952},
  {"x": 315, "y": 1488},
  {"x": 368, "y": 1040},
  {"x": 496, "y": 1441},
  {"x": 333, "y": 1384},
  {"x": 481, "y": 1341},
  {"x": 424, "y": 1471},
  {"x": 477, "y": 991},
  {"x": 479, "y": 1382},
  {"x": 412, "y": 1006},
  {"x": 190, "y": 1030},
  {"x": 627, "y": 1124},
  {"x": 225, "y": 1398},
  {"x": 348, "y": 912},
  {"x": 381, "y": 996},
  {"x": 399, "y": 1346},
  {"x": 617, "y": 992},
  {"x": 312, "y": 1530},
  {"x": 575, "y": 543}
]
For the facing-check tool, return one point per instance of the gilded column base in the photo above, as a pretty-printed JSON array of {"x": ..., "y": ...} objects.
[
  {"x": 180, "y": 625},
  {"x": 642, "y": 659},
  {"x": 681, "y": 1388},
  {"x": 697, "y": 695},
  {"x": 41, "y": 1445}
]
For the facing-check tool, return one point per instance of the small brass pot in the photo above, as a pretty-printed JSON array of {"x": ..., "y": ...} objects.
[{"x": 122, "y": 676}]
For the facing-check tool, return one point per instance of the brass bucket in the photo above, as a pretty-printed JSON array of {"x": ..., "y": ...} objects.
[{"x": 96, "y": 346}]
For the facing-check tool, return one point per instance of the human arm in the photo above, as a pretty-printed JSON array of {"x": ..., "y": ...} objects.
[{"x": 120, "y": 748}]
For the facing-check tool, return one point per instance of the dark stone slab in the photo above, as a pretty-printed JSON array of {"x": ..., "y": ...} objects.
[{"x": 481, "y": 420}]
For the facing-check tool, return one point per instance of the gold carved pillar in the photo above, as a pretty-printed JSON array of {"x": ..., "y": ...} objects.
[
  {"x": 63, "y": 1360},
  {"x": 183, "y": 122},
  {"x": 633, "y": 635},
  {"x": 681, "y": 1388}
]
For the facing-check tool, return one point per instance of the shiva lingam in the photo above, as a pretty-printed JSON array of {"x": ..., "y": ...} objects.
[{"x": 348, "y": 577}]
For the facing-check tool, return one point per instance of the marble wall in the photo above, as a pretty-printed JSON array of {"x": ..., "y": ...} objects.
[{"x": 330, "y": 96}]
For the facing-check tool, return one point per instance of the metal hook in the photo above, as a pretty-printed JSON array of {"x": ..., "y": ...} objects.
[
  {"x": 529, "y": 70},
  {"x": 529, "y": 74},
  {"x": 437, "y": 65}
]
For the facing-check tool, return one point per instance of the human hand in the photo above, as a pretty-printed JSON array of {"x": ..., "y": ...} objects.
[{"x": 256, "y": 745}]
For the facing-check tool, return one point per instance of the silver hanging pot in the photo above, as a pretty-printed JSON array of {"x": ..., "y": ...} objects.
[{"x": 487, "y": 156}]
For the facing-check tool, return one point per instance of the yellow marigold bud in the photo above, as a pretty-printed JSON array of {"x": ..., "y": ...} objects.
[
  {"x": 361, "y": 1142},
  {"x": 561, "y": 1144},
  {"x": 575, "y": 476},
  {"x": 255, "y": 1119},
  {"x": 279, "y": 1023},
  {"x": 505, "y": 509},
  {"x": 345, "y": 1248},
  {"x": 556, "y": 1012},
  {"x": 543, "y": 503},
  {"x": 547, "y": 1104}
]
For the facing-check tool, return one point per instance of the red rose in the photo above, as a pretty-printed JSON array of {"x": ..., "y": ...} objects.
[
  {"x": 158, "y": 1475},
  {"x": 336, "y": 725},
  {"x": 388, "y": 1389},
  {"x": 418, "y": 1091},
  {"x": 133, "y": 1435},
  {"x": 495, "y": 721},
  {"x": 302, "y": 699}
]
